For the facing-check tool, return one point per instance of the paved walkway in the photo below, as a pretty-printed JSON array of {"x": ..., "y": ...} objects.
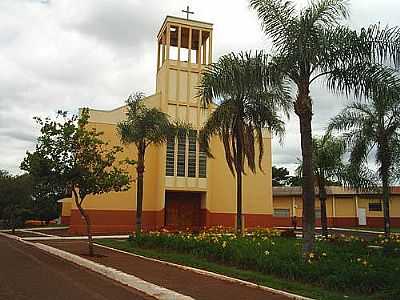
[
  {"x": 182, "y": 281},
  {"x": 29, "y": 273}
]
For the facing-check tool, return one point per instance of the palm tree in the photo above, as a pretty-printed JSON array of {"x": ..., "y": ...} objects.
[
  {"x": 374, "y": 125},
  {"x": 144, "y": 127},
  {"x": 328, "y": 152},
  {"x": 247, "y": 104},
  {"x": 312, "y": 45}
]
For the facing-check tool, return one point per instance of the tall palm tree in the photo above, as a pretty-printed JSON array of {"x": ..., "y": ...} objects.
[
  {"x": 367, "y": 126},
  {"x": 144, "y": 127},
  {"x": 246, "y": 104},
  {"x": 312, "y": 45},
  {"x": 328, "y": 152}
]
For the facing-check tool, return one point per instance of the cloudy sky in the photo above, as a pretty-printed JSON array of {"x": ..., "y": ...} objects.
[{"x": 63, "y": 54}]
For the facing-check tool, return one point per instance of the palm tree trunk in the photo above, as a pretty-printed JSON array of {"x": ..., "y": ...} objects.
[
  {"x": 239, "y": 194},
  {"x": 303, "y": 108},
  {"x": 139, "y": 191},
  {"x": 239, "y": 225},
  {"x": 386, "y": 196},
  {"x": 322, "y": 199},
  {"x": 87, "y": 221}
]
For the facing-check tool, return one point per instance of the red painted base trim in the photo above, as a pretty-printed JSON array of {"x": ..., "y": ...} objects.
[
  {"x": 111, "y": 221},
  {"x": 395, "y": 222},
  {"x": 258, "y": 220},
  {"x": 65, "y": 220},
  {"x": 210, "y": 219},
  {"x": 343, "y": 222},
  {"x": 115, "y": 221},
  {"x": 379, "y": 222}
]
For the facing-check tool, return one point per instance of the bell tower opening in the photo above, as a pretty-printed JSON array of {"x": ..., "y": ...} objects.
[{"x": 184, "y": 41}]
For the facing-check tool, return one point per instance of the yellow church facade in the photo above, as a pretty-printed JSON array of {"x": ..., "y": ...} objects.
[{"x": 183, "y": 188}]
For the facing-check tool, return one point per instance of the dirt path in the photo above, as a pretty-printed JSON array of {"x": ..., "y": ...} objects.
[{"x": 29, "y": 273}]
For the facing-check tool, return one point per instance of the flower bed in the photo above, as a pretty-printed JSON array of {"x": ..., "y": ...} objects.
[{"x": 339, "y": 263}]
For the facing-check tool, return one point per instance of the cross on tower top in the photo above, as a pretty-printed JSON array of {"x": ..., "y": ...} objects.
[{"x": 188, "y": 12}]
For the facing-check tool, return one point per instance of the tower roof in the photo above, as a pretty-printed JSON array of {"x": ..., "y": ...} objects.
[{"x": 183, "y": 21}]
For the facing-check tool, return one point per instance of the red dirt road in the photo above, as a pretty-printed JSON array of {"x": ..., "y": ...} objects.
[{"x": 28, "y": 273}]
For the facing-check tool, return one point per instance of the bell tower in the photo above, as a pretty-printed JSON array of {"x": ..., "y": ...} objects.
[{"x": 184, "y": 48}]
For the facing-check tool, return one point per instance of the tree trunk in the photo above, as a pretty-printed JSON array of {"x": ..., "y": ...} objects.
[
  {"x": 322, "y": 199},
  {"x": 139, "y": 191},
  {"x": 87, "y": 221},
  {"x": 303, "y": 109},
  {"x": 239, "y": 194},
  {"x": 386, "y": 196},
  {"x": 239, "y": 224},
  {"x": 13, "y": 222}
]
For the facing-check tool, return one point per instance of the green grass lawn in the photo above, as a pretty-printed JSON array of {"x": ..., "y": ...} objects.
[{"x": 339, "y": 268}]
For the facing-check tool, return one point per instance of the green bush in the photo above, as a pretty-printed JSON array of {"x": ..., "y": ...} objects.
[{"x": 339, "y": 263}]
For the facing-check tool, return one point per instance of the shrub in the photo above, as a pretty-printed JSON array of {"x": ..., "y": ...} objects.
[{"x": 339, "y": 263}]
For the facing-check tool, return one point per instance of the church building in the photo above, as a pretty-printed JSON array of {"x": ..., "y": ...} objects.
[{"x": 183, "y": 188}]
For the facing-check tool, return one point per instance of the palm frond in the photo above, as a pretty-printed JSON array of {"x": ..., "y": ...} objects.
[
  {"x": 384, "y": 43},
  {"x": 326, "y": 12},
  {"x": 352, "y": 116},
  {"x": 365, "y": 80},
  {"x": 145, "y": 126},
  {"x": 277, "y": 18},
  {"x": 360, "y": 178},
  {"x": 251, "y": 93}
]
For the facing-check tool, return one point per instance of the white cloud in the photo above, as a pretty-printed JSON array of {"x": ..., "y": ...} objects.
[{"x": 63, "y": 54}]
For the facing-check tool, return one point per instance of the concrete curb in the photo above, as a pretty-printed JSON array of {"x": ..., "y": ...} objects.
[
  {"x": 55, "y": 237},
  {"x": 37, "y": 229},
  {"x": 134, "y": 282},
  {"x": 36, "y": 232},
  {"x": 357, "y": 230},
  {"x": 10, "y": 236},
  {"x": 214, "y": 275},
  {"x": 339, "y": 229}
]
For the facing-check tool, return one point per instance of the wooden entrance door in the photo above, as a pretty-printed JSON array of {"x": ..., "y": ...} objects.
[{"x": 182, "y": 210}]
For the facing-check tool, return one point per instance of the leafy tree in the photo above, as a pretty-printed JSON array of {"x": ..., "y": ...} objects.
[
  {"x": 4, "y": 174},
  {"x": 71, "y": 156},
  {"x": 280, "y": 176},
  {"x": 4, "y": 180},
  {"x": 248, "y": 101},
  {"x": 367, "y": 126},
  {"x": 144, "y": 127},
  {"x": 16, "y": 201},
  {"x": 312, "y": 45},
  {"x": 296, "y": 180},
  {"x": 45, "y": 197}
]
